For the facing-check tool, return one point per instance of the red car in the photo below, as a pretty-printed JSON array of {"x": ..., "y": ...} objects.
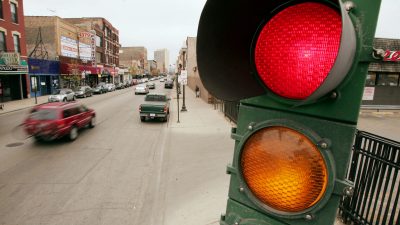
[{"x": 58, "y": 119}]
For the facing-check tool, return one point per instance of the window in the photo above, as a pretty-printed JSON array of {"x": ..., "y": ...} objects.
[
  {"x": 14, "y": 12},
  {"x": 17, "y": 47},
  {"x": 98, "y": 57},
  {"x": 1, "y": 9},
  {"x": 388, "y": 80},
  {"x": 2, "y": 41},
  {"x": 99, "y": 41},
  {"x": 371, "y": 80}
]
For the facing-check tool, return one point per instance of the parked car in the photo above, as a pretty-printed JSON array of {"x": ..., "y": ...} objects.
[
  {"x": 151, "y": 85},
  {"x": 169, "y": 84},
  {"x": 62, "y": 95},
  {"x": 141, "y": 89},
  {"x": 83, "y": 91},
  {"x": 120, "y": 86},
  {"x": 100, "y": 88},
  {"x": 110, "y": 87},
  {"x": 162, "y": 79},
  {"x": 155, "y": 106},
  {"x": 56, "y": 120}
]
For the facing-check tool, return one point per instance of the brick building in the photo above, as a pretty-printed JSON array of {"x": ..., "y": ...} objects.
[
  {"x": 134, "y": 58},
  {"x": 14, "y": 80},
  {"x": 107, "y": 45},
  {"x": 71, "y": 45}
]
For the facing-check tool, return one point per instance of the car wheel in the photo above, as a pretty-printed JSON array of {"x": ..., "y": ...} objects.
[
  {"x": 73, "y": 133},
  {"x": 84, "y": 96},
  {"x": 92, "y": 122},
  {"x": 65, "y": 99},
  {"x": 73, "y": 98},
  {"x": 142, "y": 118}
]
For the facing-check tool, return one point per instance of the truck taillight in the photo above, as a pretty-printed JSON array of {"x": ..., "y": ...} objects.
[
  {"x": 165, "y": 109},
  {"x": 140, "y": 108}
]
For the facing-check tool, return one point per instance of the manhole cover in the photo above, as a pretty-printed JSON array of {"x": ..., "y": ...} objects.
[{"x": 14, "y": 144}]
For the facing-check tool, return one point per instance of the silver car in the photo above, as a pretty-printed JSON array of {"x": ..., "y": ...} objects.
[
  {"x": 141, "y": 89},
  {"x": 110, "y": 87},
  {"x": 62, "y": 95}
]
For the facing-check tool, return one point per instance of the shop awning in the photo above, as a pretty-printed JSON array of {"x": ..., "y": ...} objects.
[{"x": 67, "y": 68}]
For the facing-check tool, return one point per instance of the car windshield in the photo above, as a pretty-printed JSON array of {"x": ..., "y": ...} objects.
[
  {"x": 44, "y": 114},
  {"x": 156, "y": 98},
  {"x": 59, "y": 92},
  {"x": 80, "y": 89}
]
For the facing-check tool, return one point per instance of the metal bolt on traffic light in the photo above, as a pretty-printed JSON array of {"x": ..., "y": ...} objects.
[{"x": 299, "y": 69}]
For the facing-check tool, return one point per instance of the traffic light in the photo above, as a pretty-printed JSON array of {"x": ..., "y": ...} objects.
[{"x": 299, "y": 69}]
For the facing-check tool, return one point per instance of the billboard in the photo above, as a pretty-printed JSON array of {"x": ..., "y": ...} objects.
[{"x": 69, "y": 47}]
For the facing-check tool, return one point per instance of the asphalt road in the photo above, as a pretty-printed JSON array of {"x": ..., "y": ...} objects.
[{"x": 109, "y": 175}]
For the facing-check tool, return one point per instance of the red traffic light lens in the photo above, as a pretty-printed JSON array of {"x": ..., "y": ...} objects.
[{"x": 297, "y": 48}]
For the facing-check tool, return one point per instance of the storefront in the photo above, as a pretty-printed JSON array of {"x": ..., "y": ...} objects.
[
  {"x": 383, "y": 80},
  {"x": 13, "y": 77},
  {"x": 73, "y": 75},
  {"x": 109, "y": 75},
  {"x": 44, "y": 76}
]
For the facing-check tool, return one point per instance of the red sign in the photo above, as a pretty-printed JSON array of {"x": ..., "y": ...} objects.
[{"x": 393, "y": 56}]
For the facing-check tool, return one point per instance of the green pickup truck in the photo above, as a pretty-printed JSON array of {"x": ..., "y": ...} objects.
[{"x": 155, "y": 106}]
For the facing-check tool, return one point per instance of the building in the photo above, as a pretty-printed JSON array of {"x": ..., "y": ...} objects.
[
  {"x": 135, "y": 58},
  {"x": 153, "y": 67},
  {"x": 383, "y": 80},
  {"x": 72, "y": 46},
  {"x": 187, "y": 60},
  {"x": 14, "y": 81},
  {"x": 107, "y": 45},
  {"x": 162, "y": 58}
]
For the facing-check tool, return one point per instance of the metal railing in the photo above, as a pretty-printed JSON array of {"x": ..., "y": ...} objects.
[
  {"x": 374, "y": 169},
  {"x": 231, "y": 110}
]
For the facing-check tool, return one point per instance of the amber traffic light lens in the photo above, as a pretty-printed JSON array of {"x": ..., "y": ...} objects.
[{"x": 284, "y": 169}]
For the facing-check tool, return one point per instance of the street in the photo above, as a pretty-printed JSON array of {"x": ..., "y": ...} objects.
[
  {"x": 127, "y": 172},
  {"x": 121, "y": 172}
]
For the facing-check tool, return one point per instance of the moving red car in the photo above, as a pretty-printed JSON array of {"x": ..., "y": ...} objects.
[{"x": 58, "y": 119}]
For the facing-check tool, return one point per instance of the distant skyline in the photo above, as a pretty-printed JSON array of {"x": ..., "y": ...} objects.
[{"x": 159, "y": 24}]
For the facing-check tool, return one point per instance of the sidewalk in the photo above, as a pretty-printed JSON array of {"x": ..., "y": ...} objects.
[{"x": 16, "y": 105}]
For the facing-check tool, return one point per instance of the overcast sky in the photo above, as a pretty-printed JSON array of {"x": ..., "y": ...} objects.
[{"x": 158, "y": 24}]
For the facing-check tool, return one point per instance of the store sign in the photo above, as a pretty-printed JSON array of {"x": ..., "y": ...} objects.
[
  {"x": 10, "y": 58},
  {"x": 85, "y": 51},
  {"x": 93, "y": 44},
  {"x": 393, "y": 56},
  {"x": 69, "y": 47},
  {"x": 12, "y": 68},
  {"x": 368, "y": 94}
]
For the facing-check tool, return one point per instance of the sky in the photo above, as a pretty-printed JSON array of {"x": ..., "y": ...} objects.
[{"x": 157, "y": 24}]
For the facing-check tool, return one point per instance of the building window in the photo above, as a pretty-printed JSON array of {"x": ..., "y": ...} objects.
[
  {"x": 99, "y": 41},
  {"x": 14, "y": 12},
  {"x": 98, "y": 57},
  {"x": 1, "y": 9},
  {"x": 371, "y": 80},
  {"x": 387, "y": 80},
  {"x": 17, "y": 47},
  {"x": 3, "y": 47}
]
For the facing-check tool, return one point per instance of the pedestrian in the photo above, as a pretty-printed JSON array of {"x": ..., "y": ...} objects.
[{"x": 197, "y": 92}]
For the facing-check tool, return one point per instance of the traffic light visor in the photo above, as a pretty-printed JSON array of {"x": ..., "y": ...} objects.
[
  {"x": 284, "y": 169},
  {"x": 297, "y": 48}
]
